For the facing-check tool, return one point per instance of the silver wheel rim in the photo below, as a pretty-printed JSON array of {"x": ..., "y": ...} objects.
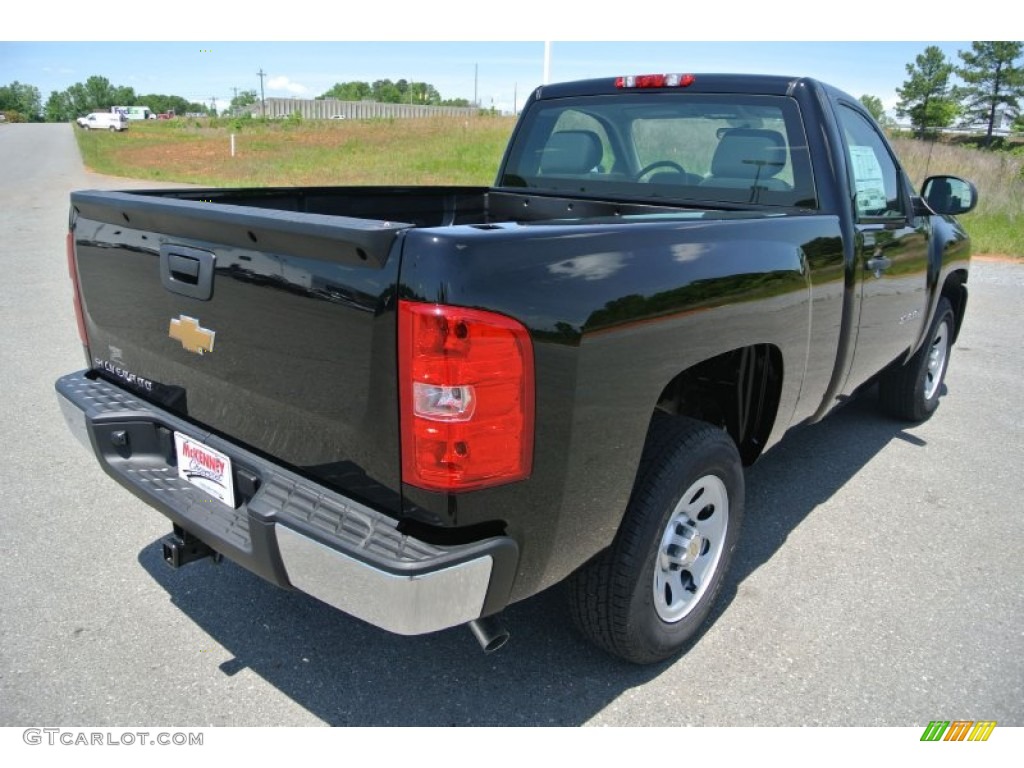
[
  {"x": 691, "y": 547},
  {"x": 936, "y": 360}
]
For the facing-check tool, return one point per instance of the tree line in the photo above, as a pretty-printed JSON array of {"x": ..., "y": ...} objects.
[
  {"x": 400, "y": 92},
  {"x": 939, "y": 93},
  {"x": 21, "y": 102}
]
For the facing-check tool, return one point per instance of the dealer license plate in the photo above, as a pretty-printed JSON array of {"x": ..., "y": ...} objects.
[{"x": 205, "y": 468}]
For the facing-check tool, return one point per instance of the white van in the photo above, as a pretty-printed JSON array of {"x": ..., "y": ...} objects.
[{"x": 111, "y": 121}]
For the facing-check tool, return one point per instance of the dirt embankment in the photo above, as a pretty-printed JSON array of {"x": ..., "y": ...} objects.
[{"x": 1002, "y": 257}]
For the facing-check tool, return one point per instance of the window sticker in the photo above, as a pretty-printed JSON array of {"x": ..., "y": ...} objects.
[{"x": 867, "y": 175}]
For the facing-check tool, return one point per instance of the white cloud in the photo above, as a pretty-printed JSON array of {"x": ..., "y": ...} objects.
[
  {"x": 684, "y": 252},
  {"x": 596, "y": 266},
  {"x": 282, "y": 83}
]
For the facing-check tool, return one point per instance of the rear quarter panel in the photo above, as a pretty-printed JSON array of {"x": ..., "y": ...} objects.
[{"x": 616, "y": 311}]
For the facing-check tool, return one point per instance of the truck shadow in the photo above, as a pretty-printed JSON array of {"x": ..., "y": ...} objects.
[
  {"x": 804, "y": 471},
  {"x": 346, "y": 672}
]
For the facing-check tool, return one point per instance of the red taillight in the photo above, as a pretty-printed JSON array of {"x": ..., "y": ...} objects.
[
  {"x": 654, "y": 81},
  {"x": 73, "y": 274},
  {"x": 466, "y": 391}
]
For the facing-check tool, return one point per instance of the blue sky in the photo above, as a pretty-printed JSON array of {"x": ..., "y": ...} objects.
[{"x": 441, "y": 46}]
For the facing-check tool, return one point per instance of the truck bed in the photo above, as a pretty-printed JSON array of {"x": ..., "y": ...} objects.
[{"x": 302, "y": 284}]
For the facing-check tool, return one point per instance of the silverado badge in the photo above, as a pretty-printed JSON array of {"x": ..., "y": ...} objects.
[{"x": 192, "y": 336}]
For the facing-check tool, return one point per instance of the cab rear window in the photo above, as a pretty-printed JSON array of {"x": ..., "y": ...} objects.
[{"x": 687, "y": 147}]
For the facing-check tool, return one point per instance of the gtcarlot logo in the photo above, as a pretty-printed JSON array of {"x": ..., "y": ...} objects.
[
  {"x": 70, "y": 737},
  {"x": 958, "y": 730}
]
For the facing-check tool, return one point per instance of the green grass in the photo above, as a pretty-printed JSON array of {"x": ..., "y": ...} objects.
[
  {"x": 997, "y": 233},
  {"x": 459, "y": 151},
  {"x": 303, "y": 153},
  {"x": 997, "y": 224}
]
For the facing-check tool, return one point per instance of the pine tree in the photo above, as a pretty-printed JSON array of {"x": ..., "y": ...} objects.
[
  {"x": 992, "y": 80},
  {"x": 927, "y": 97}
]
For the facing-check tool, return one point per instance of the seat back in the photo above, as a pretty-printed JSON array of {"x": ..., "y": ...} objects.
[
  {"x": 940, "y": 195},
  {"x": 571, "y": 153},
  {"x": 745, "y": 156}
]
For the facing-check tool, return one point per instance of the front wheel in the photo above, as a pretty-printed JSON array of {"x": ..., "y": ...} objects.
[
  {"x": 911, "y": 391},
  {"x": 647, "y": 595}
]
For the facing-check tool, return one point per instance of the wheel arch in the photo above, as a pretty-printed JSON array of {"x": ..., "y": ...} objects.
[
  {"x": 739, "y": 391},
  {"x": 955, "y": 290}
]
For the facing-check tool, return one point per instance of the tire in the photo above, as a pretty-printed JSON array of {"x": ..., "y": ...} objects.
[
  {"x": 911, "y": 392},
  {"x": 113, "y": 129},
  {"x": 650, "y": 592}
]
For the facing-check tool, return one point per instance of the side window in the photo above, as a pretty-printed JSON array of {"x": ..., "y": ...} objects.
[{"x": 875, "y": 176}]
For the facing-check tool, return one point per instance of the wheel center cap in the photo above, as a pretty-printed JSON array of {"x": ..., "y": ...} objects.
[
  {"x": 694, "y": 548},
  {"x": 681, "y": 547},
  {"x": 685, "y": 550}
]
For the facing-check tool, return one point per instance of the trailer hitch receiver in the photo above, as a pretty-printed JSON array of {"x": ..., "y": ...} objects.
[{"x": 181, "y": 548}]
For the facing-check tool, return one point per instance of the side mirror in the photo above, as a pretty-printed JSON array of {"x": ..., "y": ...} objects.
[{"x": 949, "y": 195}]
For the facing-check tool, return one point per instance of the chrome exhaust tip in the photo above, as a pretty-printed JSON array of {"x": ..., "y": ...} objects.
[{"x": 489, "y": 632}]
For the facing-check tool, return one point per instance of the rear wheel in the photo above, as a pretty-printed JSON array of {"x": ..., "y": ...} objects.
[
  {"x": 647, "y": 595},
  {"x": 911, "y": 391}
]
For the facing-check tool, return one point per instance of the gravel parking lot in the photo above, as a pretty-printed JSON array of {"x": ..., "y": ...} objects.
[{"x": 879, "y": 580}]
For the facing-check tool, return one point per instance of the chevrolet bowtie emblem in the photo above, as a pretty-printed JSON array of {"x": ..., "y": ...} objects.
[{"x": 192, "y": 336}]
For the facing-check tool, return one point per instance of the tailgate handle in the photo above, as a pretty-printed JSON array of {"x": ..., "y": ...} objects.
[
  {"x": 184, "y": 268},
  {"x": 187, "y": 271}
]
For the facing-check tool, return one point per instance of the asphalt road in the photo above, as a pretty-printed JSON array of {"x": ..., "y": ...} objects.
[{"x": 878, "y": 581}]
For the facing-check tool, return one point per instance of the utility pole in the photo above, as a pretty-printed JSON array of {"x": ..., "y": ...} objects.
[
  {"x": 263, "y": 101},
  {"x": 476, "y": 70}
]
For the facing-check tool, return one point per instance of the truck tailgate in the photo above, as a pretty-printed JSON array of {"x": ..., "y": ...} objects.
[{"x": 273, "y": 328}]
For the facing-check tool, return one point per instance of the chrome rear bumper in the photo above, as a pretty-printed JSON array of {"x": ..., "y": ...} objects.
[{"x": 288, "y": 529}]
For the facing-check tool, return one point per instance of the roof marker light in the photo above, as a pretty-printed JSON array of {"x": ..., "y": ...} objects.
[{"x": 654, "y": 81}]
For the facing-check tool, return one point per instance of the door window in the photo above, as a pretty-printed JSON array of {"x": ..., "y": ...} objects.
[{"x": 874, "y": 174}]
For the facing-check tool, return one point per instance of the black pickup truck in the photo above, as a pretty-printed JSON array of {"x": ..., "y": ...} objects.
[{"x": 422, "y": 404}]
